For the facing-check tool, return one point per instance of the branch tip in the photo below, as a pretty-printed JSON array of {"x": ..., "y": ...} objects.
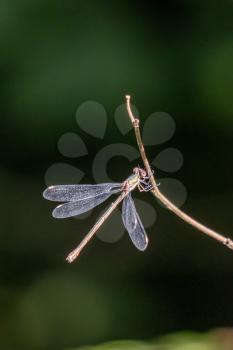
[{"x": 228, "y": 243}]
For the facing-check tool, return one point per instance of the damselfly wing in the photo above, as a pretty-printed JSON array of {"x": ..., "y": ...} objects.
[
  {"x": 79, "y": 198},
  {"x": 133, "y": 224},
  {"x": 72, "y": 193}
]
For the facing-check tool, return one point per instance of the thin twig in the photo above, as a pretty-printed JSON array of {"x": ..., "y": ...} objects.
[{"x": 156, "y": 192}]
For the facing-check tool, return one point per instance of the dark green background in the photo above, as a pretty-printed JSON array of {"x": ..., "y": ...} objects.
[{"x": 172, "y": 56}]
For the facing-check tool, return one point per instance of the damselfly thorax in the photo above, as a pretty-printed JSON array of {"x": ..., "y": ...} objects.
[{"x": 81, "y": 198}]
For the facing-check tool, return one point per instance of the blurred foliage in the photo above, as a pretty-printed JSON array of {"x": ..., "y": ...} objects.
[{"x": 215, "y": 340}]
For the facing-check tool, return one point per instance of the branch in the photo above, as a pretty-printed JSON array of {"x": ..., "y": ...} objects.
[{"x": 156, "y": 192}]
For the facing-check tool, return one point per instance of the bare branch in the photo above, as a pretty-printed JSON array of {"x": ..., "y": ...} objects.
[{"x": 156, "y": 192}]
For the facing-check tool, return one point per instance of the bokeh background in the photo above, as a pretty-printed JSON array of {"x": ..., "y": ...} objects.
[{"x": 173, "y": 56}]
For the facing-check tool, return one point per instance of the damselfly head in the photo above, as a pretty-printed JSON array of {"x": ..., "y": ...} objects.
[{"x": 140, "y": 172}]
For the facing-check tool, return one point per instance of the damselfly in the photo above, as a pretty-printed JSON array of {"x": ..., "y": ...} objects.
[{"x": 81, "y": 198}]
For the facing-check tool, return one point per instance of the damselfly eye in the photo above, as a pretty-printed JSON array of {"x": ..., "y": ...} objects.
[
  {"x": 136, "y": 170},
  {"x": 142, "y": 172}
]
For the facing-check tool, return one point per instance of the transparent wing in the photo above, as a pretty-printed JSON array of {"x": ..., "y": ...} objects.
[
  {"x": 73, "y": 193},
  {"x": 76, "y": 208},
  {"x": 133, "y": 224}
]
